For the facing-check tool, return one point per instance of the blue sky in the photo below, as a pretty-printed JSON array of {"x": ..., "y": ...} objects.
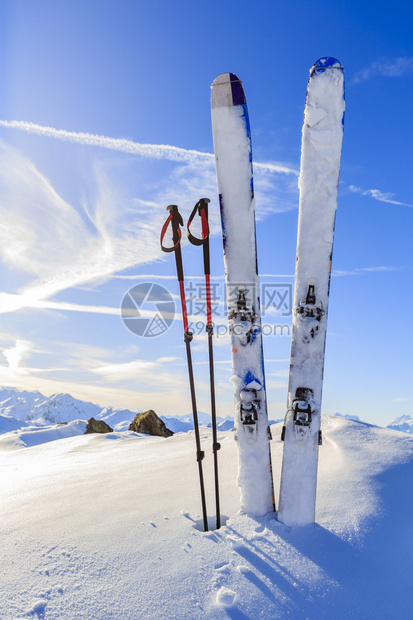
[{"x": 81, "y": 217}]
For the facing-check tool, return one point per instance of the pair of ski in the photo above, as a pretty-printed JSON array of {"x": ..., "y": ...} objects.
[
  {"x": 318, "y": 183},
  {"x": 175, "y": 221}
]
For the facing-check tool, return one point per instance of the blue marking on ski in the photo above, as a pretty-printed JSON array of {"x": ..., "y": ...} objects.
[
  {"x": 246, "y": 119},
  {"x": 251, "y": 378},
  {"x": 238, "y": 95},
  {"x": 221, "y": 209},
  {"x": 328, "y": 62}
]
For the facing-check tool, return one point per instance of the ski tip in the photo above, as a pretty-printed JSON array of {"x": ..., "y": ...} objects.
[
  {"x": 227, "y": 91},
  {"x": 328, "y": 62}
]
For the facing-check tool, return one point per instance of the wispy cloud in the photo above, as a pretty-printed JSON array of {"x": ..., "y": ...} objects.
[
  {"x": 385, "y": 68},
  {"x": 155, "y": 151},
  {"x": 378, "y": 195},
  {"x": 33, "y": 298},
  {"x": 360, "y": 270},
  {"x": 16, "y": 355},
  {"x": 61, "y": 246},
  {"x": 150, "y": 277}
]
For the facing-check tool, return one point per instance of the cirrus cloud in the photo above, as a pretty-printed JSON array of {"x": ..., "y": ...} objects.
[{"x": 385, "y": 68}]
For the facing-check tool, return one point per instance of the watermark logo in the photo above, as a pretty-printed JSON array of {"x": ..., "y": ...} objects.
[
  {"x": 277, "y": 297},
  {"x": 148, "y": 310}
]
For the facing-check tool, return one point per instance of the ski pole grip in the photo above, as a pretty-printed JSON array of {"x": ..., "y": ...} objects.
[
  {"x": 175, "y": 219},
  {"x": 201, "y": 207}
]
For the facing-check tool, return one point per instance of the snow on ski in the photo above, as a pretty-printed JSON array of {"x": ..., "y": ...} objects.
[
  {"x": 320, "y": 165},
  {"x": 233, "y": 156}
]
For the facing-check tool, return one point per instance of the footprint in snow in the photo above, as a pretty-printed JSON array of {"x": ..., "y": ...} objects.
[
  {"x": 37, "y": 609},
  {"x": 226, "y": 597},
  {"x": 222, "y": 567},
  {"x": 235, "y": 542}
]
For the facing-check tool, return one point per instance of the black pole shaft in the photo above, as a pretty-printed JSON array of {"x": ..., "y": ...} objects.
[
  {"x": 199, "y": 453},
  {"x": 215, "y": 445},
  {"x": 175, "y": 219},
  {"x": 203, "y": 212}
]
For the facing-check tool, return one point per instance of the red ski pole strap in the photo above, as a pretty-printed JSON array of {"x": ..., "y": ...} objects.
[
  {"x": 163, "y": 232},
  {"x": 183, "y": 305},
  {"x": 201, "y": 207},
  {"x": 205, "y": 226}
]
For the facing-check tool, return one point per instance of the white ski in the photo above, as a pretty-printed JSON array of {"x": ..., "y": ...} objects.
[
  {"x": 233, "y": 155},
  {"x": 320, "y": 165}
]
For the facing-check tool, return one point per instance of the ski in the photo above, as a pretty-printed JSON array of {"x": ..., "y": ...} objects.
[
  {"x": 233, "y": 158},
  {"x": 320, "y": 165}
]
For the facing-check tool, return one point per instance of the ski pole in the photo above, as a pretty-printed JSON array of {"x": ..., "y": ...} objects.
[
  {"x": 175, "y": 220},
  {"x": 201, "y": 207}
]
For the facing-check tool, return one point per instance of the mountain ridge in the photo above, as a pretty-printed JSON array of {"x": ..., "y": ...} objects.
[{"x": 18, "y": 408}]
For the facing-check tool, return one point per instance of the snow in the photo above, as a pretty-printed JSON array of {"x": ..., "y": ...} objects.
[
  {"x": 29, "y": 436},
  {"x": 8, "y": 423},
  {"x": 108, "y": 527}
]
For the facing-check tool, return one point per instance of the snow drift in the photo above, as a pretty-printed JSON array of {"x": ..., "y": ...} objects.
[{"x": 108, "y": 527}]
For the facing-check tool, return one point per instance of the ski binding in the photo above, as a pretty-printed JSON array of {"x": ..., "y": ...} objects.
[
  {"x": 249, "y": 407},
  {"x": 243, "y": 320},
  {"x": 310, "y": 309},
  {"x": 303, "y": 409}
]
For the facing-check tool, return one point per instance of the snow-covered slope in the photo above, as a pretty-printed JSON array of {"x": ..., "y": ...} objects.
[
  {"x": 8, "y": 423},
  {"x": 28, "y": 436},
  {"x": 350, "y": 417},
  {"x": 404, "y": 423},
  {"x": 108, "y": 527}
]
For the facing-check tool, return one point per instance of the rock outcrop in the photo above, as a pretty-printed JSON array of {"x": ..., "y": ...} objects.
[
  {"x": 97, "y": 426},
  {"x": 149, "y": 424}
]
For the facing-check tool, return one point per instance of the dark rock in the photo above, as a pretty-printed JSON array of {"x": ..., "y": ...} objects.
[
  {"x": 149, "y": 424},
  {"x": 97, "y": 426}
]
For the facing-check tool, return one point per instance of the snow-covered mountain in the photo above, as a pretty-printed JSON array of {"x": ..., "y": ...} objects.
[
  {"x": 404, "y": 423},
  {"x": 184, "y": 423},
  {"x": 39, "y": 409},
  {"x": 19, "y": 408},
  {"x": 18, "y": 403},
  {"x": 348, "y": 416},
  {"x": 108, "y": 527}
]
